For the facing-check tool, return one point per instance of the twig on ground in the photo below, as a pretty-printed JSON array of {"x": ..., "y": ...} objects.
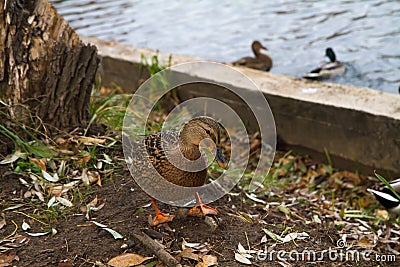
[
  {"x": 13, "y": 232},
  {"x": 156, "y": 248}
]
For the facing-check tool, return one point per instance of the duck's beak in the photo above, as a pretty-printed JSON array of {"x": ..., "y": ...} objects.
[
  {"x": 263, "y": 47},
  {"x": 220, "y": 158}
]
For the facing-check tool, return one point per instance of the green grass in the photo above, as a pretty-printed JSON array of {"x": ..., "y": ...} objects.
[
  {"x": 385, "y": 182},
  {"x": 329, "y": 166},
  {"x": 34, "y": 147},
  {"x": 110, "y": 110}
]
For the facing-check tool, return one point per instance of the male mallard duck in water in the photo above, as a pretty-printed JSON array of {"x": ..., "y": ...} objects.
[
  {"x": 174, "y": 144},
  {"x": 387, "y": 198},
  {"x": 327, "y": 70},
  {"x": 259, "y": 62}
]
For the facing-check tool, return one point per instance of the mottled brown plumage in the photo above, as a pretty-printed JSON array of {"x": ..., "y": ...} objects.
[
  {"x": 174, "y": 144},
  {"x": 259, "y": 62}
]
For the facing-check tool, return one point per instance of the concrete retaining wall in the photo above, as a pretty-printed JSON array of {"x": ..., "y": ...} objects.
[{"x": 360, "y": 127}]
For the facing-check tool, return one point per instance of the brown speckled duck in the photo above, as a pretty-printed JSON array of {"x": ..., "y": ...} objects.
[
  {"x": 259, "y": 62},
  {"x": 186, "y": 143}
]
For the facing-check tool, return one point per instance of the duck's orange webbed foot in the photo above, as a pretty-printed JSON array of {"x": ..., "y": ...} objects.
[
  {"x": 201, "y": 210},
  {"x": 160, "y": 216}
]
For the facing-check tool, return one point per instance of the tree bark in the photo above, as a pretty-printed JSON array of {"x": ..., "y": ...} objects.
[{"x": 44, "y": 65}]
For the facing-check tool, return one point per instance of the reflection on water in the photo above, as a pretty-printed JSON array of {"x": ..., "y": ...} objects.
[{"x": 364, "y": 34}]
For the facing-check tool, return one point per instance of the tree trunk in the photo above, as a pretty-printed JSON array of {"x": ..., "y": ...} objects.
[{"x": 43, "y": 64}]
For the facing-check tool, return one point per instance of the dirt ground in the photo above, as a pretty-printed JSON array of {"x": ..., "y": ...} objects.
[{"x": 241, "y": 220}]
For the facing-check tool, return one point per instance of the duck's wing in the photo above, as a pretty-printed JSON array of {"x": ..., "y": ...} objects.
[
  {"x": 314, "y": 74},
  {"x": 317, "y": 70},
  {"x": 332, "y": 66},
  {"x": 262, "y": 63},
  {"x": 387, "y": 199},
  {"x": 159, "y": 142},
  {"x": 243, "y": 61},
  {"x": 326, "y": 70},
  {"x": 144, "y": 155}
]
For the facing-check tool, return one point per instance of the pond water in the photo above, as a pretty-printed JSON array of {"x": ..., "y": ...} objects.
[{"x": 364, "y": 34}]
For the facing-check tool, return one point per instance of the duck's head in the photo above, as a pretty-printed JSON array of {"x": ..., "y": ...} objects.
[
  {"x": 203, "y": 129},
  {"x": 330, "y": 54},
  {"x": 256, "y": 46}
]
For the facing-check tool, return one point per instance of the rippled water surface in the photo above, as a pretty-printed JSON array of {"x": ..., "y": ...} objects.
[{"x": 364, "y": 34}]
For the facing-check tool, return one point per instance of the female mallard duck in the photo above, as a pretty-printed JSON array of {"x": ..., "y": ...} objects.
[
  {"x": 387, "y": 198},
  {"x": 164, "y": 146},
  {"x": 334, "y": 67},
  {"x": 259, "y": 62}
]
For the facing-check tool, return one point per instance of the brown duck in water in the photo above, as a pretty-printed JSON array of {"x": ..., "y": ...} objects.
[
  {"x": 259, "y": 62},
  {"x": 186, "y": 143}
]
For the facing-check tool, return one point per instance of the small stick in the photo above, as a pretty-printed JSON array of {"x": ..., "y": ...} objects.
[
  {"x": 13, "y": 232},
  {"x": 156, "y": 248},
  {"x": 66, "y": 243},
  {"x": 29, "y": 216}
]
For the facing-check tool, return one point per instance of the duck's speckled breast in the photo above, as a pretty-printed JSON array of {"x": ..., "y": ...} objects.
[{"x": 164, "y": 167}]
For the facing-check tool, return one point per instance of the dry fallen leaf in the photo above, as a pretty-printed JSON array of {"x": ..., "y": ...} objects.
[
  {"x": 13, "y": 157},
  {"x": 51, "y": 178},
  {"x": 65, "y": 202},
  {"x": 38, "y": 194},
  {"x": 295, "y": 235},
  {"x": 114, "y": 233},
  {"x": 84, "y": 159},
  {"x": 187, "y": 253},
  {"x": 7, "y": 259},
  {"x": 93, "y": 203},
  {"x": 382, "y": 214},
  {"x": 91, "y": 140},
  {"x": 94, "y": 177},
  {"x": 128, "y": 259},
  {"x": 242, "y": 259},
  {"x": 364, "y": 242},
  {"x": 207, "y": 260},
  {"x": 84, "y": 177},
  {"x": 196, "y": 246},
  {"x": 51, "y": 202},
  {"x": 56, "y": 192},
  {"x": 38, "y": 234},
  {"x": 60, "y": 141},
  {"x": 58, "y": 189},
  {"x": 41, "y": 163},
  {"x": 98, "y": 182}
]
